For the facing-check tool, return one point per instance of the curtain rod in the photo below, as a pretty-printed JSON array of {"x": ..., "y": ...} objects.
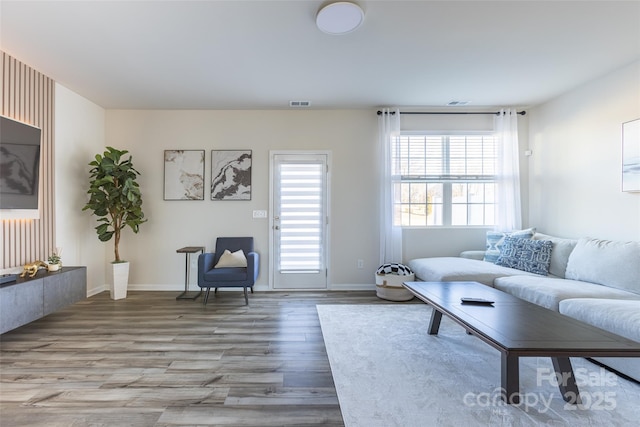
[{"x": 495, "y": 113}]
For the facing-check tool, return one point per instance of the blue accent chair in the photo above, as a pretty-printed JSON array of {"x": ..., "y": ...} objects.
[{"x": 228, "y": 277}]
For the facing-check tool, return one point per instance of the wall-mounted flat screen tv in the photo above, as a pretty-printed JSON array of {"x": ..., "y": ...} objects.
[{"x": 19, "y": 164}]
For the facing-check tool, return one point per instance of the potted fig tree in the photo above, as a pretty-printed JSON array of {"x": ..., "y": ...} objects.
[{"x": 115, "y": 198}]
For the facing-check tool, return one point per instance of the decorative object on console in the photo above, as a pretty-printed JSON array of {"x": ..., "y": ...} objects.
[
  {"x": 116, "y": 200},
  {"x": 32, "y": 269},
  {"x": 631, "y": 156},
  {"x": 55, "y": 261},
  {"x": 231, "y": 174},
  {"x": 183, "y": 174}
]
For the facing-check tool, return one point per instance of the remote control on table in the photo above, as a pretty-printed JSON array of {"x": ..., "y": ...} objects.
[{"x": 469, "y": 300}]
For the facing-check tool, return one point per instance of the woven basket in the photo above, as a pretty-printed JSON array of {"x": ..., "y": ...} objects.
[{"x": 389, "y": 287}]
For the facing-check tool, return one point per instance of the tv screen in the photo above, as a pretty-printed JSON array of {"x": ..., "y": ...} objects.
[{"x": 19, "y": 164}]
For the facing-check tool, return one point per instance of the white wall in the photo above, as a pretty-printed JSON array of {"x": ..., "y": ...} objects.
[
  {"x": 350, "y": 135},
  {"x": 79, "y": 135},
  {"x": 575, "y": 170}
]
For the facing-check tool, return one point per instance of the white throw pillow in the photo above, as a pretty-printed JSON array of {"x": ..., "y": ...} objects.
[{"x": 232, "y": 259}]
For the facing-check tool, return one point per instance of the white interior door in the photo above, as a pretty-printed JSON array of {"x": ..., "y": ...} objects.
[{"x": 299, "y": 221}]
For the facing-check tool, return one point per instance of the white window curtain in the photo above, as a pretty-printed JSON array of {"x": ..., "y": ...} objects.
[
  {"x": 390, "y": 234},
  {"x": 508, "y": 211}
]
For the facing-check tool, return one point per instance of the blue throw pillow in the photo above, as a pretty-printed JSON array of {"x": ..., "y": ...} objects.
[
  {"x": 533, "y": 256},
  {"x": 495, "y": 240}
]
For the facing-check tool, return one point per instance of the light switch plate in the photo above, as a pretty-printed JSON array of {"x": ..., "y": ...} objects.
[{"x": 259, "y": 214}]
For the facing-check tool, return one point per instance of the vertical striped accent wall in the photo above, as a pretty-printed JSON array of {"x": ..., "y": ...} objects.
[{"x": 28, "y": 96}]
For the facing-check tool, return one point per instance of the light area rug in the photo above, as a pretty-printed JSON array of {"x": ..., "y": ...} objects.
[{"x": 389, "y": 372}]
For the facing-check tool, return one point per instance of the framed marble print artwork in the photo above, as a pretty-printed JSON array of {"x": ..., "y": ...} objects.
[
  {"x": 230, "y": 174},
  {"x": 184, "y": 174}
]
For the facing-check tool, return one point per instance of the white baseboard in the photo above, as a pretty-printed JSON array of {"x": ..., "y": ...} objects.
[
  {"x": 157, "y": 287},
  {"x": 96, "y": 290},
  {"x": 180, "y": 288},
  {"x": 352, "y": 287},
  {"x": 259, "y": 287}
]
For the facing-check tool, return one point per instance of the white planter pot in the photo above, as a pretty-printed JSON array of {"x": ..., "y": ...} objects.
[
  {"x": 119, "y": 280},
  {"x": 53, "y": 267}
]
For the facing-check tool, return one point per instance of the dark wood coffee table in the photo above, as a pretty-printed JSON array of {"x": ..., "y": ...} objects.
[{"x": 518, "y": 328}]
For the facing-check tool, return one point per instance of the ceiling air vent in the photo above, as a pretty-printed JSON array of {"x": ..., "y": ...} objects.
[
  {"x": 457, "y": 103},
  {"x": 298, "y": 104}
]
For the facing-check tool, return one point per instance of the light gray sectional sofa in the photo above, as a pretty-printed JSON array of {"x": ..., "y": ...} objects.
[{"x": 595, "y": 281}]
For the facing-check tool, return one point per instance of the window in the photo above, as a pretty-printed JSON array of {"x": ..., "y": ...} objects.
[{"x": 444, "y": 180}]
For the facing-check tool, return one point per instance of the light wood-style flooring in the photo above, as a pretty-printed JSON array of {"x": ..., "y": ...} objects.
[{"x": 152, "y": 360}]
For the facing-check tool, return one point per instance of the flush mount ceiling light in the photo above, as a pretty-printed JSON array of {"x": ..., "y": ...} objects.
[{"x": 339, "y": 18}]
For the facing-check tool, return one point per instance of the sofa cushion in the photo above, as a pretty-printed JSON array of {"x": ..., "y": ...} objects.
[
  {"x": 231, "y": 274},
  {"x": 622, "y": 317},
  {"x": 451, "y": 269},
  {"x": 532, "y": 256},
  {"x": 606, "y": 262},
  {"x": 495, "y": 239},
  {"x": 617, "y": 316},
  {"x": 559, "y": 254},
  {"x": 548, "y": 292}
]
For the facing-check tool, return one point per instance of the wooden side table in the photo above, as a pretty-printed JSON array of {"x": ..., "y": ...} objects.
[{"x": 188, "y": 251}]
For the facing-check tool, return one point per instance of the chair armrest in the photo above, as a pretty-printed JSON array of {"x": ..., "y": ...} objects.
[
  {"x": 253, "y": 265},
  {"x": 205, "y": 263}
]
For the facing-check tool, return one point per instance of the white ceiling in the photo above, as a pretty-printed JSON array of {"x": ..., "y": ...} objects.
[{"x": 263, "y": 54}]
